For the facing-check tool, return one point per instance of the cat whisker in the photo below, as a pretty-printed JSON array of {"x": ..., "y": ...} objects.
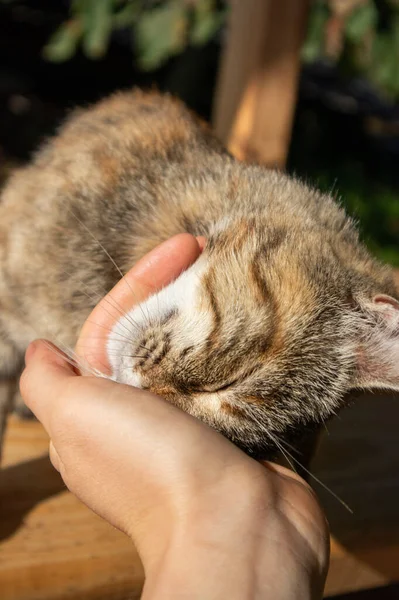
[
  {"x": 122, "y": 275},
  {"x": 279, "y": 446},
  {"x": 96, "y": 297},
  {"x": 115, "y": 333},
  {"x": 120, "y": 335},
  {"x": 73, "y": 358},
  {"x": 291, "y": 447},
  {"x": 61, "y": 354},
  {"x": 323, "y": 485},
  {"x": 80, "y": 362},
  {"x": 121, "y": 311},
  {"x": 126, "y": 355},
  {"x": 129, "y": 367},
  {"x": 115, "y": 340},
  {"x": 77, "y": 364}
]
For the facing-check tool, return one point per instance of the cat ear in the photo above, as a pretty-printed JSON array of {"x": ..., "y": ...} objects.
[{"x": 377, "y": 347}]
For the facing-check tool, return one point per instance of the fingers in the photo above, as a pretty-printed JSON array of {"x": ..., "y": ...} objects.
[
  {"x": 63, "y": 400},
  {"x": 47, "y": 371},
  {"x": 155, "y": 270},
  {"x": 160, "y": 266},
  {"x": 201, "y": 241}
]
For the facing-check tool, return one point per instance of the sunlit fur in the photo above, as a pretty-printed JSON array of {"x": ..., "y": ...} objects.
[{"x": 262, "y": 337}]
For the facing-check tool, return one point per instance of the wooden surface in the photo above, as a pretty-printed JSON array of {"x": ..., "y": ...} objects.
[
  {"x": 256, "y": 91},
  {"x": 52, "y": 547},
  {"x": 359, "y": 461}
]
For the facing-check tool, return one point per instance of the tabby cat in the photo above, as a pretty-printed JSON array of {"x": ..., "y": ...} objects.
[{"x": 283, "y": 314}]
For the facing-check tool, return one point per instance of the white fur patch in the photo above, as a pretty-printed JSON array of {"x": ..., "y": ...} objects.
[{"x": 181, "y": 296}]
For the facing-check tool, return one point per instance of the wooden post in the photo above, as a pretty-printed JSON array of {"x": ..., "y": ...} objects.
[{"x": 256, "y": 92}]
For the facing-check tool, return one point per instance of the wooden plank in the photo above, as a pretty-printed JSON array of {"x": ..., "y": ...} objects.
[{"x": 256, "y": 92}]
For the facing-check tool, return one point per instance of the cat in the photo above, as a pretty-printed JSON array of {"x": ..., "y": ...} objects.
[{"x": 263, "y": 337}]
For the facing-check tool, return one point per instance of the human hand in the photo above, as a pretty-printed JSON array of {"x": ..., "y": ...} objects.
[{"x": 208, "y": 521}]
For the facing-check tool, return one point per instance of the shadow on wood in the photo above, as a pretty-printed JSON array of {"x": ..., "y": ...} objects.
[
  {"x": 53, "y": 547},
  {"x": 15, "y": 501}
]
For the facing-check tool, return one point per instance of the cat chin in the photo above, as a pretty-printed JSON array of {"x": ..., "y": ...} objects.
[{"x": 131, "y": 378}]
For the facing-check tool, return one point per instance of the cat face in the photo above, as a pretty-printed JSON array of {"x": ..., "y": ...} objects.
[{"x": 262, "y": 336}]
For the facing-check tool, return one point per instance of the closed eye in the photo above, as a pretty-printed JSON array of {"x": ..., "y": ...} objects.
[
  {"x": 226, "y": 386},
  {"x": 222, "y": 388}
]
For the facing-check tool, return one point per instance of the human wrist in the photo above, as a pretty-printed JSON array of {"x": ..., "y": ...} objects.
[
  {"x": 203, "y": 565},
  {"x": 193, "y": 537},
  {"x": 234, "y": 543}
]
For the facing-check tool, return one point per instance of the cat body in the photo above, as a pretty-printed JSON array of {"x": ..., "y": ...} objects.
[{"x": 283, "y": 314}]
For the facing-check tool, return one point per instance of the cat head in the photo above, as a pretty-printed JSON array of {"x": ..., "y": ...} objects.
[{"x": 266, "y": 332}]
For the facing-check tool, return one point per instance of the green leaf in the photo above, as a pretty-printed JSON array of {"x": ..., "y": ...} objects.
[
  {"x": 127, "y": 15},
  {"x": 161, "y": 33},
  {"x": 63, "y": 43},
  {"x": 205, "y": 30},
  {"x": 98, "y": 27},
  {"x": 207, "y": 21},
  {"x": 383, "y": 67},
  {"x": 361, "y": 21},
  {"x": 314, "y": 42}
]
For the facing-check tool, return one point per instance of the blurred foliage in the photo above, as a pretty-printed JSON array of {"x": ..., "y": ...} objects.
[
  {"x": 334, "y": 152},
  {"x": 360, "y": 36},
  {"x": 159, "y": 29},
  {"x": 374, "y": 205}
]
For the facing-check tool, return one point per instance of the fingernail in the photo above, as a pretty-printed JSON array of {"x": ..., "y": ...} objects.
[{"x": 31, "y": 349}]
